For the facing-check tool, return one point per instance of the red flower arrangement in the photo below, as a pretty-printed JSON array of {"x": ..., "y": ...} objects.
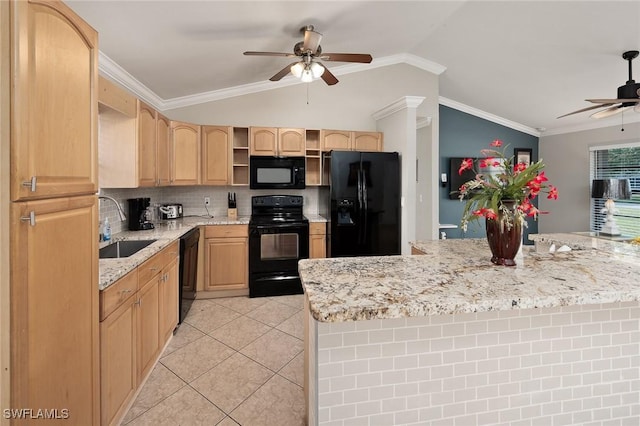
[{"x": 501, "y": 185}]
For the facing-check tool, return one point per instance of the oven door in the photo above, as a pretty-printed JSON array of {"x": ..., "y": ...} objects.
[{"x": 277, "y": 247}]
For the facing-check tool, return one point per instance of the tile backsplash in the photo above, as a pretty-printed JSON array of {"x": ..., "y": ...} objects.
[{"x": 192, "y": 200}]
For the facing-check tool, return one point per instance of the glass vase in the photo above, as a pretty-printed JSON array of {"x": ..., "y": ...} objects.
[{"x": 504, "y": 234}]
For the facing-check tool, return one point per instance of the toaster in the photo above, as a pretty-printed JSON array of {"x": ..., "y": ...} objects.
[{"x": 170, "y": 211}]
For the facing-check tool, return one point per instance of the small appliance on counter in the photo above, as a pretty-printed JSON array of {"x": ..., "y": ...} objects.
[
  {"x": 139, "y": 214},
  {"x": 170, "y": 211}
]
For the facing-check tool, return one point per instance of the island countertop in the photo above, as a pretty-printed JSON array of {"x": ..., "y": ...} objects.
[{"x": 456, "y": 276}]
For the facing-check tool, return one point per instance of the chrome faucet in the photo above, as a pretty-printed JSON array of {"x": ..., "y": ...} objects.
[{"x": 120, "y": 212}]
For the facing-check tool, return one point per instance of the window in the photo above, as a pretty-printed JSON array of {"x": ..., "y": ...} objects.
[{"x": 618, "y": 162}]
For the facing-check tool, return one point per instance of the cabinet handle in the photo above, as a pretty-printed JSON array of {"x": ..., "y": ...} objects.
[
  {"x": 153, "y": 268},
  {"x": 138, "y": 302},
  {"x": 31, "y": 218},
  {"x": 125, "y": 291},
  {"x": 31, "y": 184}
]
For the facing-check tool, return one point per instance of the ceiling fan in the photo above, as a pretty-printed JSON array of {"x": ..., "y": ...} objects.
[
  {"x": 628, "y": 95},
  {"x": 309, "y": 52}
]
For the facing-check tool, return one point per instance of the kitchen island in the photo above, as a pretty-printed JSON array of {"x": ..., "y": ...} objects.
[{"x": 449, "y": 338}]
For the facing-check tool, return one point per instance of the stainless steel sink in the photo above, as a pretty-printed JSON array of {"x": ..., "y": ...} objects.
[{"x": 123, "y": 248}]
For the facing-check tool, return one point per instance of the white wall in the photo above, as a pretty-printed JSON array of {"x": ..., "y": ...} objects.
[{"x": 566, "y": 158}]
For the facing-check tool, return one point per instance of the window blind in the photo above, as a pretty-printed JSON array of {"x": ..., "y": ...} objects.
[{"x": 616, "y": 163}]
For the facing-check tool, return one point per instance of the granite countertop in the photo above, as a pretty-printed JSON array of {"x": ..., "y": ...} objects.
[
  {"x": 315, "y": 218},
  {"x": 587, "y": 240},
  {"x": 456, "y": 276},
  {"x": 165, "y": 233}
]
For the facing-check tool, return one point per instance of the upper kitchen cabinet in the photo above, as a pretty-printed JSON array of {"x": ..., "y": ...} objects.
[
  {"x": 163, "y": 150},
  {"x": 277, "y": 141},
  {"x": 185, "y": 153},
  {"x": 54, "y": 90},
  {"x": 367, "y": 141},
  {"x": 342, "y": 140},
  {"x": 216, "y": 152},
  {"x": 147, "y": 149}
]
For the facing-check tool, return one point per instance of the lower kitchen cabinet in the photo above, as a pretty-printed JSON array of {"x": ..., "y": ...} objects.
[
  {"x": 138, "y": 314},
  {"x": 317, "y": 240},
  {"x": 226, "y": 257}
]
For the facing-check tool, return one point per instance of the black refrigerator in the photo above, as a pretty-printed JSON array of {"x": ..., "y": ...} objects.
[{"x": 364, "y": 204}]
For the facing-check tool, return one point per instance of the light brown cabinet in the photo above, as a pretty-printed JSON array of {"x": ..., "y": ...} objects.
[
  {"x": 185, "y": 153},
  {"x": 53, "y": 220},
  {"x": 216, "y": 151},
  {"x": 138, "y": 314},
  {"x": 317, "y": 240},
  {"x": 53, "y": 124},
  {"x": 54, "y": 306},
  {"x": 163, "y": 150},
  {"x": 147, "y": 145},
  {"x": 284, "y": 142},
  {"x": 342, "y": 140},
  {"x": 226, "y": 257}
]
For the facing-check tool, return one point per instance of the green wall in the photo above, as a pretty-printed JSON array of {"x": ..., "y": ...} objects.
[{"x": 464, "y": 135}]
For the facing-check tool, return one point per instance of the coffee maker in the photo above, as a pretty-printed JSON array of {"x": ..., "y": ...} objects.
[{"x": 139, "y": 214}]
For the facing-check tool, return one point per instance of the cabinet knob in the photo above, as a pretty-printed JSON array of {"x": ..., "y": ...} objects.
[
  {"x": 31, "y": 218},
  {"x": 31, "y": 184}
]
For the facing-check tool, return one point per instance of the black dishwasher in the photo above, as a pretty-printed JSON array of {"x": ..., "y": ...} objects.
[{"x": 188, "y": 268}]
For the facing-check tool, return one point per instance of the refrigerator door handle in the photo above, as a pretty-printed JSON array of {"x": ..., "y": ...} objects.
[
  {"x": 360, "y": 208},
  {"x": 366, "y": 206}
]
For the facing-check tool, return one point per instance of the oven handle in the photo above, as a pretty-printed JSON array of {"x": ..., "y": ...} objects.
[{"x": 256, "y": 229}]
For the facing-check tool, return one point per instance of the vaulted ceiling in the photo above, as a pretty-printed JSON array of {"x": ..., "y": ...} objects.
[{"x": 525, "y": 61}]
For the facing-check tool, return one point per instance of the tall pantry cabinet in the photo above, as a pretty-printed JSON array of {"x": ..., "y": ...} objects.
[{"x": 54, "y": 338}]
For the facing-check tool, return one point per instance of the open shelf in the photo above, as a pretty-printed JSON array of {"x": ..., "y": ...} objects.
[{"x": 240, "y": 154}]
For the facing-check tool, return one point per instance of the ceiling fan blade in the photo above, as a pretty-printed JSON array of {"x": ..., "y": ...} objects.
[
  {"x": 328, "y": 77},
  {"x": 611, "y": 101},
  {"x": 311, "y": 40},
  {"x": 608, "y": 112},
  {"x": 347, "y": 57},
  {"x": 285, "y": 55},
  {"x": 284, "y": 71},
  {"x": 586, "y": 109}
]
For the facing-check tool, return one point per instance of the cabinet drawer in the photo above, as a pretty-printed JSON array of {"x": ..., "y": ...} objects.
[
  {"x": 316, "y": 228},
  {"x": 151, "y": 267},
  {"x": 114, "y": 295},
  {"x": 170, "y": 252},
  {"x": 224, "y": 231}
]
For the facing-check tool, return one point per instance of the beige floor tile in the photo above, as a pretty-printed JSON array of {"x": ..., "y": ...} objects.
[
  {"x": 228, "y": 421},
  {"x": 184, "y": 335},
  {"x": 274, "y": 349},
  {"x": 232, "y": 381},
  {"x": 272, "y": 313},
  {"x": 294, "y": 300},
  {"x": 209, "y": 315},
  {"x": 240, "y": 332},
  {"x": 278, "y": 402},
  {"x": 294, "y": 370},
  {"x": 160, "y": 384},
  {"x": 294, "y": 325},
  {"x": 185, "y": 407},
  {"x": 242, "y": 305},
  {"x": 196, "y": 358}
]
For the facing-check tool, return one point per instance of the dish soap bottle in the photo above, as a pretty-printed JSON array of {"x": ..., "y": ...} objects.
[{"x": 106, "y": 231}]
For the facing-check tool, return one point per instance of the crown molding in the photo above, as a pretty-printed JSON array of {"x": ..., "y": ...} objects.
[
  {"x": 595, "y": 124},
  {"x": 488, "y": 116},
  {"x": 423, "y": 122},
  {"x": 115, "y": 72},
  {"x": 399, "y": 105}
]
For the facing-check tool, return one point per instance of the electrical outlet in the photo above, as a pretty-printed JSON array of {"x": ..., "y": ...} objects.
[{"x": 207, "y": 201}]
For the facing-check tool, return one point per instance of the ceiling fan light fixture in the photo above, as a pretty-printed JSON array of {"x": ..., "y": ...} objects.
[
  {"x": 316, "y": 69},
  {"x": 307, "y": 76},
  {"x": 297, "y": 69}
]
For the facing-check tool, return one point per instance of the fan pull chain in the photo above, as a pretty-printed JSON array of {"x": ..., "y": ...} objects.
[
  {"x": 622, "y": 118},
  {"x": 307, "y": 84}
]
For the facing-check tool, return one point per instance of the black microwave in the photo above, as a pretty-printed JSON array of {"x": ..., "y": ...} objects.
[{"x": 276, "y": 172}]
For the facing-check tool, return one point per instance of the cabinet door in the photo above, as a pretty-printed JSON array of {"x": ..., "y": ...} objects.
[
  {"x": 263, "y": 140},
  {"x": 226, "y": 263},
  {"x": 147, "y": 133},
  {"x": 163, "y": 148},
  {"x": 118, "y": 379},
  {"x": 147, "y": 326},
  {"x": 185, "y": 153},
  {"x": 216, "y": 145},
  {"x": 367, "y": 141},
  {"x": 317, "y": 247},
  {"x": 54, "y": 335},
  {"x": 338, "y": 140},
  {"x": 169, "y": 300},
  {"x": 291, "y": 142},
  {"x": 55, "y": 104}
]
